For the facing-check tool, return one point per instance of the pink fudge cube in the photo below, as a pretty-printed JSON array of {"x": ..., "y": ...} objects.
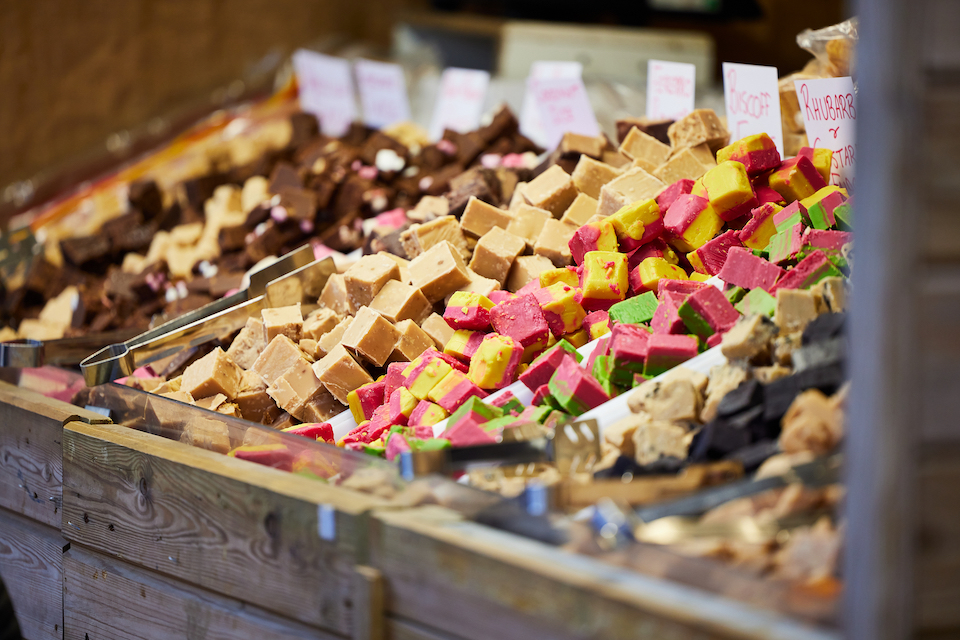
[
  {"x": 394, "y": 378},
  {"x": 499, "y": 296},
  {"x": 743, "y": 269},
  {"x": 711, "y": 307},
  {"x": 665, "y": 318},
  {"x": 713, "y": 254},
  {"x": 467, "y": 433},
  {"x": 674, "y": 191},
  {"x": 664, "y": 352},
  {"x": 682, "y": 288},
  {"x": 826, "y": 239},
  {"x": 602, "y": 349},
  {"x": 807, "y": 273},
  {"x": 521, "y": 319}
]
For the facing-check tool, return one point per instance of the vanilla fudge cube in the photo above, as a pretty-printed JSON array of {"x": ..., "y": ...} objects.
[
  {"x": 580, "y": 210},
  {"x": 366, "y": 277},
  {"x": 525, "y": 269},
  {"x": 214, "y": 373},
  {"x": 438, "y": 330},
  {"x": 340, "y": 373},
  {"x": 698, "y": 127},
  {"x": 641, "y": 146},
  {"x": 479, "y": 217},
  {"x": 552, "y": 190},
  {"x": 495, "y": 252},
  {"x": 438, "y": 272},
  {"x": 331, "y": 338},
  {"x": 554, "y": 243},
  {"x": 287, "y": 321},
  {"x": 634, "y": 185},
  {"x": 420, "y": 238},
  {"x": 279, "y": 355},
  {"x": 411, "y": 343},
  {"x": 683, "y": 165},
  {"x": 334, "y": 295},
  {"x": 248, "y": 344},
  {"x": 399, "y": 301},
  {"x": 371, "y": 336},
  {"x": 590, "y": 175},
  {"x": 319, "y": 322},
  {"x": 528, "y": 222}
]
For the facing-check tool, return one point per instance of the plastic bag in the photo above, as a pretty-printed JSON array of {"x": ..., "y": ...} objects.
[{"x": 834, "y": 47}]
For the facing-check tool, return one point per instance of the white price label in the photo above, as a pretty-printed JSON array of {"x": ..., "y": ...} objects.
[
  {"x": 752, "y": 97},
  {"x": 564, "y": 108},
  {"x": 530, "y": 123},
  {"x": 460, "y": 101},
  {"x": 829, "y": 109},
  {"x": 670, "y": 89},
  {"x": 326, "y": 90},
  {"x": 383, "y": 93}
]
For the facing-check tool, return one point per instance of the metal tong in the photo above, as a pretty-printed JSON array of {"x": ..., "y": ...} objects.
[{"x": 291, "y": 279}]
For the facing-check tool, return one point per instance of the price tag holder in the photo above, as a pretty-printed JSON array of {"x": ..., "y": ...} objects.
[
  {"x": 564, "y": 107},
  {"x": 530, "y": 123},
  {"x": 752, "y": 96},
  {"x": 670, "y": 89},
  {"x": 829, "y": 109},
  {"x": 326, "y": 90},
  {"x": 460, "y": 101},
  {"x": 383, "y": 93}
]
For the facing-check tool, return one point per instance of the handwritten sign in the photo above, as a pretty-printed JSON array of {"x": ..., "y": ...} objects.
[
  {"x": 530, "y": 123},
  {"x": 752, "y": 96},
  {"x": 670, "y": 89},
  {"x": 564, "y": 107},
  {"x": 829, "y": 109},
  {"x": 326, "y": 90},
  {"x": 383, "y": 93},
  {"x": 460, "y": 101}
]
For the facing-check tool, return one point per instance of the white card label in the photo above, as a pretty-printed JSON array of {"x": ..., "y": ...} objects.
[
  {"x": 564, "y": 108},
  {"x": 752, "y": 96},
  {"x": 383, "y": 93},
  {"x": 326, "y": 90},
  {"x": 829, "y": 109},
  {"x": 460, "y": 101},
  {"x": 530, "y": 122},
  {"x": 670, "y": 89}
]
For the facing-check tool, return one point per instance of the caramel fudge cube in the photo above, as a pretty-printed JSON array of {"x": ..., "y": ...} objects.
[
  {"x": 640, "y": 146},
  {"x": 321, "y": 408},
  {"x": 252, "y": 400},
  {"x": 634, "y": 185},
  {"x": 371, "y": 336},
  {"x": 554, "y": 243},
  {"x": 438, "y": 330},
  {"x": 698, "y": 127},
  {"x": 478, "y": 284},
  {"x": 248, "y": 344},
  {"x": 615, "y": 158},
  {"x": 319, "y": 322},
  {"x": 331, "y": 338},
  {"x": 479, "y": 217},
  {"x": 295, "y": 388},
  {"x": 286, "y": 321},
  {"x": 204, "y": 433},
  {"x": 310, "y": 347},
  {"x": 420, "y": 238},
  {"x": 517, "y": 198},
  {"x": 580, "y": 211},
  {"x": 412, "y": 342},
  {"x": 796, "y": 308},
  {"x": 214, "y": 373},
  {"x": 528, "y": 222},
  {"x": 586, "y": 145},
  {"x": 438, "y": 272},
  {"x": 366, "y": 277},
  {"x": 334, "y": 295},
  {"x": 428, "y": 208},
  {"x": 399, "y": 301},
  {"x": 340, "y": 373},
  {"x": 703, "y": 153},
  {"x": 552, "y": 190},
  {"x": 495, "y": 253},
  {"x": 278, "y": 356},
  {"x": 525, "y": 269},
  {"x": 683, "y": 165},
  {"x": 402, "y": 263},
  {"x": 590, "y": 175}
]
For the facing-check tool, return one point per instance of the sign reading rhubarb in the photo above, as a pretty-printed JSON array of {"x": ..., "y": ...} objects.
[
  {"x": 829, "y": 109},
  {"x": 564, "y": 108},
  {"x": 530, "y": 123},
  {"x": 383, "y": 93},
  {"x": 752, "y": 97},
  {"x": 670, "y": 89},
  {"x": 460, "y": 101},
  {"x": 326, "y": 90}
]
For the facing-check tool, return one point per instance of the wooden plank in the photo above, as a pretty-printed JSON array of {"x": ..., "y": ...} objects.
[
  {"x": 236, "y": 528},
  {"x": 470, "y": 581},
  {"x": 939, "y": 352},
  {"x": 937, "y": 570},
  {"x": 368, "y": 604},
  {"x": 401, "y": 629},
  {"x": 106, "y": 598},
  {"x": 31, "y": 472},
  {"x": 31, "y": 564}
]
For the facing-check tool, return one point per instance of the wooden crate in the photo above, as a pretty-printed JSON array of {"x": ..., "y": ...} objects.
[
  {"x": 218, "y": 524},
  {"x": 31, "y": 477},
  {"x": 458, "y": 579}
]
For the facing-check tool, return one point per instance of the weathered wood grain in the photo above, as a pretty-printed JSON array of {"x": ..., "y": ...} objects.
[
  {"x": 470, "y": 581},
  {"x": 236, "y": 528},
  {"x": 400, "y": 629},
  {"x": 31, "y": 564},
  {"x": 937, "y": 570},
  {"x": 108, "y": 599}
]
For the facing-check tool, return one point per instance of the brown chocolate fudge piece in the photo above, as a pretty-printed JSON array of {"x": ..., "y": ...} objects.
[
  {"x": 420, "y": 238},
  {"x": 478, "y": 182},
  {"x": 287, "y": 321},
  {"x": 656, "y": 128},
  {"x": 580, "y": 210},
  {"x": 633, "y": 186},
  {"x": 697, "y": 127},
  {"x": 640, "y": 146},
  {"x": 371, "y": 336},
  {"x": 525, "y": 269},
  {"x": 590, "y": 175},
  {"x": 574, "y": 143},
  {"x": 412, "y": 341},
  {"x": 495, "y": 252},
  {"x": 278, "y": 356},
  {"x": 366, "y": 277},
  {"x": 438, "y": 272},
  {"x": 528, "y": 222},
  {"x": 248, "y": 344},
  {"x": 682, "y": 165},
  {"x": 319, "y": 322},
  {"x": 214, "y": 373},
  {"x": 334, "y": 295},
  {"x": 479, "y": 217},
  {"x": 552, "y": 190},
  {"x": 438, "y": 330},
  {"x": 554, "y": 242},
  {"x": 340, "y": 373},
  {"x": 331, "y": 338},
  {"x": 399, "y": 301}
]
